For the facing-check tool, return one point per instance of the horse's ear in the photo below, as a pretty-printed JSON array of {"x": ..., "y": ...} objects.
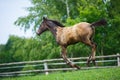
[{"x": 44, "y": 18}]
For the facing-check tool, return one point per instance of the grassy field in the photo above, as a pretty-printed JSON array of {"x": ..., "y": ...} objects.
[{"x": 94, "y": 74}]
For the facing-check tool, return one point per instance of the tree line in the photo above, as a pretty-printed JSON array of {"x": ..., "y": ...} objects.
[{"x": 68, "y": 12}]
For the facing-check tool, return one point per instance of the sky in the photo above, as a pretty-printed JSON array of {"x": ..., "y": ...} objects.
[{"x": 10, "y": 10}]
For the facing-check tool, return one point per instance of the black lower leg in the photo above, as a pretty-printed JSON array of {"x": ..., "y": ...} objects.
[
  {"x": 73, "y": 65},
  {"x": 88, "y": 62},
  {"x": 94, "y": 62},
  {"x": 76, "y": 66}
]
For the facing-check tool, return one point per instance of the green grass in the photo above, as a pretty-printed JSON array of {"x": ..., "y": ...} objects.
[{"x": 94, "y": 74}]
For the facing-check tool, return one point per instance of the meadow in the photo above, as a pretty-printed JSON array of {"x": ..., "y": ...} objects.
[{"x": 93, "y": 74}]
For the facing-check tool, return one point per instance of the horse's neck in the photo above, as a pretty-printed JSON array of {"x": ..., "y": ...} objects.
[{"x": 53, "y": 30}]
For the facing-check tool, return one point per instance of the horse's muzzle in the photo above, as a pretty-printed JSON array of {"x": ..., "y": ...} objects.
[{"x": 37, "y": 33}]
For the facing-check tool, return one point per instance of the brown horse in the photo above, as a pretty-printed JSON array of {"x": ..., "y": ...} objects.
[{"x": 81, "y": 32}]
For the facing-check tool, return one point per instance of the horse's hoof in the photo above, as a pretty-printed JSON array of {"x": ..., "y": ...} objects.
[
  {"x": 94, "y": 62},
  {"x": 88, "y": 63},
  {"x": 77, "y": 66},
  {"x": 74, "y": 66}
]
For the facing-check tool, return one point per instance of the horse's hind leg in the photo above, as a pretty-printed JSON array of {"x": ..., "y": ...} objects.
[
  {"x": 64, "y": 52},
  {"x": 92, "y": 55}
]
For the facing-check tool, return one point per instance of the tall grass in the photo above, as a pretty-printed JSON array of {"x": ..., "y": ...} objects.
[{"x": 94, "y": 74}]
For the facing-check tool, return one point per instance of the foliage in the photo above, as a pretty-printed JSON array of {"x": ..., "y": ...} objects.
[
  {"x": 95, "y": 74},
  {"x": 22, "y": 49},
  {"x": 45, "y": 46}
]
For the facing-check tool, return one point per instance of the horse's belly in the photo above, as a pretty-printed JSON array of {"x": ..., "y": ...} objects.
[
  {"x": 68, "y": 36},
  {"x": 67, "y": 40}
]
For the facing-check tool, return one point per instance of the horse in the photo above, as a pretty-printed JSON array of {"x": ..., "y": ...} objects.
[{"x": 65, "y": 36}]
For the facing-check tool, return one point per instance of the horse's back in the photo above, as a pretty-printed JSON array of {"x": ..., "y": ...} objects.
[
  {"x": 82, "y": 25},
  {"x": 73, "y": 34}
]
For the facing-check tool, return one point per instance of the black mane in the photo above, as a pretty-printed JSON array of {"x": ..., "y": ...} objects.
[{"x": 57, "y": 23}]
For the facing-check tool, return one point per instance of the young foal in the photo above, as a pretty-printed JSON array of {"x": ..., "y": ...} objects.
[{"x": 81, "y": 32}]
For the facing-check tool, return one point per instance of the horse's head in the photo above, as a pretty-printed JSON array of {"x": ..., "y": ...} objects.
[
  {"x": 48, "y": 24},
  {"x": 43, "y": 27}
]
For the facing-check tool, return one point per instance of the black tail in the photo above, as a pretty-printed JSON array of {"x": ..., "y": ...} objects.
[{"x": 99, "y": 23}]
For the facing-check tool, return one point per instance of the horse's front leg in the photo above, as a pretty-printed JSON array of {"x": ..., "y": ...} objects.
[{"x": 64, "y": 52}]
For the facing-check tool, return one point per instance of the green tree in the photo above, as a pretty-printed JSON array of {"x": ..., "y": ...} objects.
[{"x": 70, "y": 12}]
